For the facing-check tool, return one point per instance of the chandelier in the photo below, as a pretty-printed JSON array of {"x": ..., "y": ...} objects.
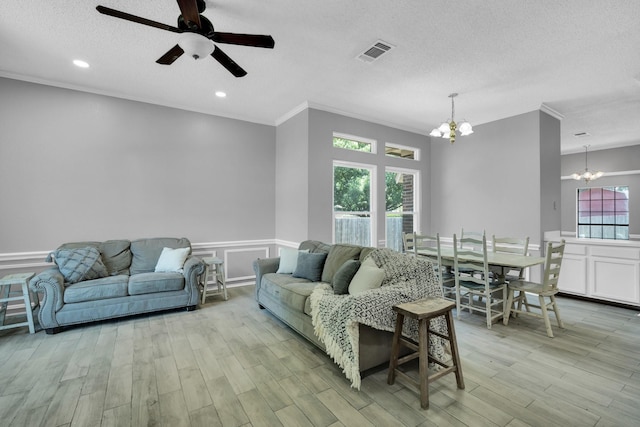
[
  {"x": 448, "y": 129},
  {"x": 587, "y": 175}
]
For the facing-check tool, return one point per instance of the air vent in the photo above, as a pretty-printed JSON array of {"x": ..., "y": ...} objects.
[
  {"x": 581, "y": 134},
  {"x": 374, "y": 52}
]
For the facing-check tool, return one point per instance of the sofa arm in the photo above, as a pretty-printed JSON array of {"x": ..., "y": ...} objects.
[
  {"x": 262, "y": 267},
  {"x": 50, "y": 282},
  {"x": 193, "y": 268}
]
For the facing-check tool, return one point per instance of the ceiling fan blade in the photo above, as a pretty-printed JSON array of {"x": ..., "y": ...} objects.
[
  {"x": 244, "y": 39},
  {"x": 189, "y": 11},
  {"x": 228, "y": 63},
  {"x": 171, "y": 55},
  {"x": 136, "y": 19}
]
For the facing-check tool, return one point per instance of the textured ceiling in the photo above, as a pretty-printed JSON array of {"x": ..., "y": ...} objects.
[{"x": 577, "y": 57}]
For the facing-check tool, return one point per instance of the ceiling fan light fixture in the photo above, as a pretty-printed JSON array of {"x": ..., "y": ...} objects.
[{"x": 195, "y": 45}]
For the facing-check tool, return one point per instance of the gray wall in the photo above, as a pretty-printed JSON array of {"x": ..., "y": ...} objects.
[
  {"x": 319, "y": 164},
  {"x": 612, "y": 162},
  {"x": 78, "y": 166},
  {"x": 550, "y": 189},
  {"x": 491, "y": 179},
  {"x": 292, "y": 179}
]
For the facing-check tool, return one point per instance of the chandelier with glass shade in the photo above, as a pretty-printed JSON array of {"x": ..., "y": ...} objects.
[
  {"x": 448, "y": 129},
  {"x": 587, "y": 175}
]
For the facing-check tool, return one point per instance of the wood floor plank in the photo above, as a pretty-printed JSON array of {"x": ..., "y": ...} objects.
[{"x": 231, "y": 364}]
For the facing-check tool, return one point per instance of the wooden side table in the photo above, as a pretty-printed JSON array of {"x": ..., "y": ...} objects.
[
  {"x": 423, "y": 311},
  {"x": 6, "y": 295},
  {"x": 215, "y": 267}
]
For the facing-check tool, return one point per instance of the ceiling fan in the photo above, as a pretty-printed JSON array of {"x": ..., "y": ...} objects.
[{"x": 200, "y": 31}]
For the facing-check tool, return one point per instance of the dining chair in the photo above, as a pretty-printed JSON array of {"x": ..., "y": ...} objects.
[
  {"x": 510, "y": 245},
  {"x": 547, "y": 289},
  {"x": 429, "y": 247},
  {"x": 473, "y": 244},
  {"x": 478, "y": 283},
  {"x": 408, "y": 243}
]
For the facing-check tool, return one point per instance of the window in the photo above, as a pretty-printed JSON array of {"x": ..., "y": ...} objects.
[
  {"x": 355, "y": 143},
  {"x": 603, "y": 213},
  {"x": 353, "y": 203},
  {"x": 394, "y": 150},
  {"x": 401, "y": 193}
]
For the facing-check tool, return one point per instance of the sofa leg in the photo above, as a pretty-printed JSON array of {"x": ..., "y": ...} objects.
[
  {"x": 191, "y": 307},
  {"x": 52, "y": 331}
]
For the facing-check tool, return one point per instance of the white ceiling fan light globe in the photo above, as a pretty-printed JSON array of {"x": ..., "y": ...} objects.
[{"x": 195, "y": 45}]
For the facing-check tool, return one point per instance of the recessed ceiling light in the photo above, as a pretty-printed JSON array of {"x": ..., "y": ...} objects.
[
  {"x": 221, "y": 94},
  {"x": 80, "y": 63}
]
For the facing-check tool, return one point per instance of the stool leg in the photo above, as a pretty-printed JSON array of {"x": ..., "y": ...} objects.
[
  {"x": 454, "y": 349},
  {"x": 423, "y": 344},
  {"x": 395, "y": 350},
  {"x": 27, "y": 307}
]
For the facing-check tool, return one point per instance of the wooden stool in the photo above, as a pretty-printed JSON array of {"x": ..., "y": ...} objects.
[
  {"x": 215, "y": 267},
  {"x": 423, "y": 311},
  {"x": 7, "y": 295}
]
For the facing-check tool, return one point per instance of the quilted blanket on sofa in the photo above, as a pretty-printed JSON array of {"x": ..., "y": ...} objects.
[{"x": 336, "y": 317}]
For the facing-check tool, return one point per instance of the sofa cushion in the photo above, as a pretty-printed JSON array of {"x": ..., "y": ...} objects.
[
  {"x": 344, "y": 275},
  {"x": 315, "y": 246},
  {"x": 338, "y": 255},
  {"x": 116, "y": 255},
  {"x": 310, "y": 266},
  {"x": 172, "y": 260},
  {"x": 150, "y": 283},
  {"x": 147, "y": 251},
  {"x": 292, "y": 292},
  {"x": 365, "y": 253},
  {"x": 97, "y": 289},
  {"x": 80, "y": 264}
]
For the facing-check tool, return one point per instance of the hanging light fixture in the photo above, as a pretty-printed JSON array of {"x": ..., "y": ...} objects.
[
  {"x": 587, "y": 175},
  {"x": 448, "y": 129}
]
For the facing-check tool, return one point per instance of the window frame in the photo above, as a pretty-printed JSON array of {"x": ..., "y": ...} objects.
[
  {"x": 591, "y": 226},
  {"x": 373, "y": 170},
  {"x": 372, "y": 142},
  {"x": 417, "y": 202}
]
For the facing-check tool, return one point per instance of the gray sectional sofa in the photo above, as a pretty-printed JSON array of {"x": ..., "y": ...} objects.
[
  {"x": 102, "y": 280},
  {"x": 287, "y": 298}
]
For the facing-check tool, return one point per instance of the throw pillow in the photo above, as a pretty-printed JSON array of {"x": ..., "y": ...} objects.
[
  {"x": 344, "y": 275},
  {"x": 365, "y": 279},
  {"x": 172, "y": 260},
  {"x": 310, "y": 266},
  {"x": 338, "y": 254},
  {"x": 80, "y": 264},
  {"x": 288, "y": 260}
]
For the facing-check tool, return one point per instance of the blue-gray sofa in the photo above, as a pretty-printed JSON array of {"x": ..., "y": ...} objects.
[{"x": 122, "y": 283}]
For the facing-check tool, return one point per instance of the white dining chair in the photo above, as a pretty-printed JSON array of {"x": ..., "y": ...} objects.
[
  {"x": 429, "y": 247},
  {"x": 472, "y": 280},
  {"x": 547, "y": 289},
  {"x": 510, "y": 245}
]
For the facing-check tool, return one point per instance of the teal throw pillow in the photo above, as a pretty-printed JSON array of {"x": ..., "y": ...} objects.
[
  {"x": 343, "y": 276},
  {"x": 310, "y": 266},
  {"x": 80, "y": 264}
]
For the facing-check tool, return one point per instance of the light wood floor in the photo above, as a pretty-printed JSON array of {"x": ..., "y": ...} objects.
[{"x": 231, "y": 364}]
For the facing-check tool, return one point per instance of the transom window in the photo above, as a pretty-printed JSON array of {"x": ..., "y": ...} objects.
[
  {"x": 603, "y": 212},
  {"x": 355, "y": 143},
  {"x": 395, "y": 150}
]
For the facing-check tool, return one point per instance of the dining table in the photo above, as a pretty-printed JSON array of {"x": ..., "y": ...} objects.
[{"x": 497, "y": 259}]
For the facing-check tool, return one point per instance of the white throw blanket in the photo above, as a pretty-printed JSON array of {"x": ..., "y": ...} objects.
[{"x": 336, "y": 317}]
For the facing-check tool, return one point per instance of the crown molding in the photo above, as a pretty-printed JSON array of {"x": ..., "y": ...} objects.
[{"x": 550, "y": 111}]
